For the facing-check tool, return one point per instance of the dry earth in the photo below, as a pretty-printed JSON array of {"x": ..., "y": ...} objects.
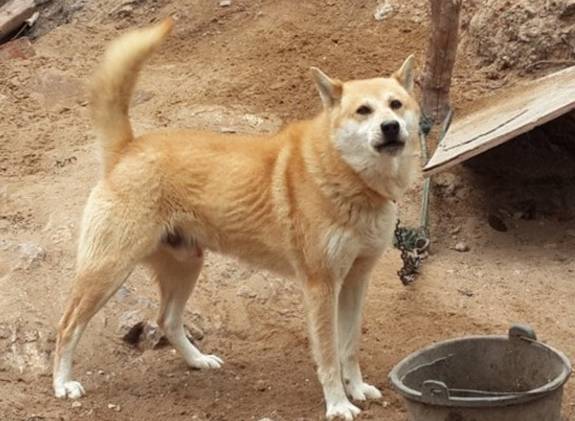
[{"x": 245, "y": 67}]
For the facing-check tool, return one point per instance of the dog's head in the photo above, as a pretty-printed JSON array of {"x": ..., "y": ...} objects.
[{"x": 374, "y": 125}]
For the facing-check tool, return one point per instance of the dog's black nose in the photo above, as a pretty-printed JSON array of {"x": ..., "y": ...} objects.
[{"x": 390, "y": 130}]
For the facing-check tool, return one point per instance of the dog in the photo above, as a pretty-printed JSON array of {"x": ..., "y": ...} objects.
[{"x": 315, "y": 201}]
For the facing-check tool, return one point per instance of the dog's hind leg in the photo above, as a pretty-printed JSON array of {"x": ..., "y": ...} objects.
[
  {"x": 177, "y": 275},
  {"x": 93, "y": 287},
  {"x": 351, "y": 298},
  {"x": 109, "y": 249}
]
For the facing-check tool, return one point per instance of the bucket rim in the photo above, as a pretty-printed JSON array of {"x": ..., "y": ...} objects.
[{"x": 484, "y": 401}]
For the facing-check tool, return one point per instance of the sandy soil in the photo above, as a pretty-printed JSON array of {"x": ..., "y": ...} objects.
[{"x": 245, "y": 67}]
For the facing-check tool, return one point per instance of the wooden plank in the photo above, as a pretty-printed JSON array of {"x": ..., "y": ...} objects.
[
  {"x": 503, "y": 117},
  {"x": 13, "y": 14}
]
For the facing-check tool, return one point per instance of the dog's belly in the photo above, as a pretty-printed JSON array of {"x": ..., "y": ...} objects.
[
  {"x": 263, "y": 258},
  {"x": 249, "y": 249}
]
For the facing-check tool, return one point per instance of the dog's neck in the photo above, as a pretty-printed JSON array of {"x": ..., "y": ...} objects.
[{"x": 336, "y": 179}]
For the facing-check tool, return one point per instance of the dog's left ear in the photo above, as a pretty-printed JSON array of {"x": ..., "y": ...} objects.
[
  {"x": 405, "y": 74},
  {"x": 330, "y": 90}
]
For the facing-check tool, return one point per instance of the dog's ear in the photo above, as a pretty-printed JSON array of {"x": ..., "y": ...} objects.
[
  {"x": 405, "y": 74},
  {"x": 330, "y": 90}
]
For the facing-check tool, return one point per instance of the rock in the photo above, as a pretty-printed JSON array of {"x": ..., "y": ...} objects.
[
  {"x": 496, "y": 223},
  {"x": 194, "y": 333},
  {"x": 61, "y": 163},
  {"x": 461, "y": 247},
  {"x": 225, "y": 3},
  {"x": 466, "y": 292},
  {"x": 31, "y": 254},
  {"x": 447, "y": 184},
  {"x": 261, "y": 386},
  {"x": 455, "y": 230},
  {"x": 125, "y": 11},
  {"x": 5, "y": 332},
  {"x": 382, "y": 11},
  {"x": 142, "y": 96},
  {"x": 567, "y": 9},
  {"x": 28, "y": 336},
  {"x": 246, "y": 292},
  {"x": 122, "y": 295},
  {"x": 76, "y": 404},
  {"x": 265, "y": 419},
  {"x": 128, "y": 320},
  {"x": 253, "y": 120},
  {"x": 151, "y": 336},
  {"x": 114, "y": 407},
  {"x": 144, "y": 335}
]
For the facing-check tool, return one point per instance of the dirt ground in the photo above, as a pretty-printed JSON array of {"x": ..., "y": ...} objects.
[{"x": 245, "y": 67}]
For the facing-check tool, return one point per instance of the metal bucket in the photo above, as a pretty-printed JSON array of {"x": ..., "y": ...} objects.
[{"x": 484, "y": 378}]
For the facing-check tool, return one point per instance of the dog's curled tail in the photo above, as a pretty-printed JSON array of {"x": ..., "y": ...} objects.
[{"x": 113, "y": 84}]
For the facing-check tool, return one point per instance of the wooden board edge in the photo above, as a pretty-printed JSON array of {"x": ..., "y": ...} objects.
[{"x": 470, "y": 153}]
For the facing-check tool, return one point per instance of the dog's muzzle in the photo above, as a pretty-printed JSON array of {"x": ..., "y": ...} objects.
[{"x": 391, "y": 140}]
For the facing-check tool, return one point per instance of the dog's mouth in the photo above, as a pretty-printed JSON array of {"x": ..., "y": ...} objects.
[{"x": 391, "y": 147}]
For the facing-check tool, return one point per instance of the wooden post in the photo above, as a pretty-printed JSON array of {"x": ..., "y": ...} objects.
[
  {"x": 13, "y": 14},
  {"x": 440, "y": 58}
]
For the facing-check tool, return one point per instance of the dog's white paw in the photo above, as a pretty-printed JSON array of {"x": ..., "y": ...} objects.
[
  {"x": 362, "y": 391},
  {"x": 207, "y": 361},
  {"x": 71, "y": 389},
  {"x": 343, "y": 410}
]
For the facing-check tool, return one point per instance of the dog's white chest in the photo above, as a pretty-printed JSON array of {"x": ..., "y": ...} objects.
[
  {"x": 369, "y": 236},
  {"x": 375, "y": 230}
]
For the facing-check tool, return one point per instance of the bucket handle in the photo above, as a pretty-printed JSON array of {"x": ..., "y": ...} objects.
[
  {"x": 435, "y": 390},
  {"x": 522, "y": 331}
]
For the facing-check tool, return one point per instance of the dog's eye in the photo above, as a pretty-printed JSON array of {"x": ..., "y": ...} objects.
[
  {"x": 395, "y": 104},
  {"x": 364, "y": 110}
]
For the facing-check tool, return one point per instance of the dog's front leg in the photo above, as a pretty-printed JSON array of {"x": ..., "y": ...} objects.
[
  {"x": 321, "y": 297},
  {"x": 351, "y": 298}
]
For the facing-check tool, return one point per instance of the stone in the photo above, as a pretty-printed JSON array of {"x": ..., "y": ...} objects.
[
  {"x": 567, "y": 9},
  {"x": 455, "y": 230},
  {"x": 261, "y": 386},
  {"x": 447, "y": 184},
  {"x": 5, "y": 332},
  {"x": 114, "y": 407},
  {"x": 382, "y": 11},
  {"x": 128, "y": 320},
  {"x": 461, "y": 247},
  {"x": 246, "y": 292},
  {"x": 31, "y": 254},
  {"x": 496, "y": 223}
]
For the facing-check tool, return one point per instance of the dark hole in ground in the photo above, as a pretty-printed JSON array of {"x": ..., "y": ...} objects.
[
  {"x": 532, "y": 175},
  {"x": 545, "y": 153}
]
